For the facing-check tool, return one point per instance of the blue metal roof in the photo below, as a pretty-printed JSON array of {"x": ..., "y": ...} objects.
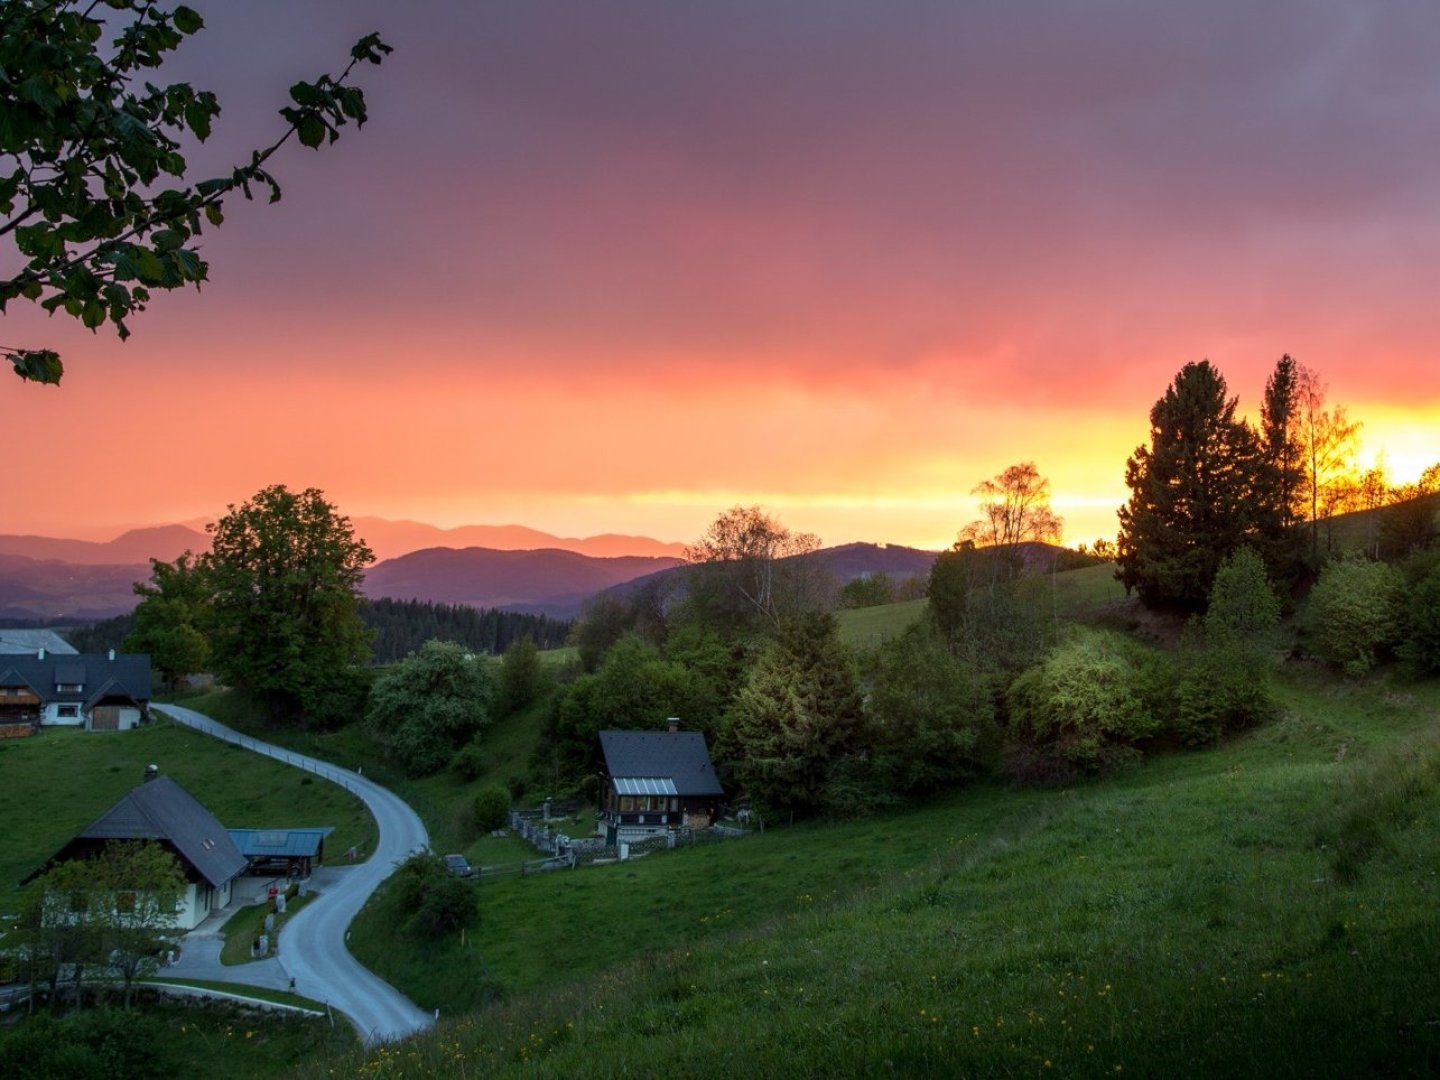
[
  {"x": 642, "y": 785},
  {"x": 279, "y": 843}
]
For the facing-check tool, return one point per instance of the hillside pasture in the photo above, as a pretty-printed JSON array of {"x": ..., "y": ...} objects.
[{"x": 1266, "y": 908}]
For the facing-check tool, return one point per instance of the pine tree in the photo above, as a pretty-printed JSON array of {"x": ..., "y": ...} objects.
[
  {"x": 1193, "y": 492},
  {"x": 1281, "y": 481}
]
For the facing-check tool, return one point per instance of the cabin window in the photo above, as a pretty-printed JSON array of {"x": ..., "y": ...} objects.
[
  {"x": 674, "y": 805},
  {"x": 627, "y": 804},
  {"x": 67, "y": 710},
  {"x": 68, "y": 687}
]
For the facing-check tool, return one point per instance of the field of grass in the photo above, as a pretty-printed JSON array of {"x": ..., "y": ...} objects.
[
  {"x": 870, "y": 627},
  {"x": 1267, "y": 908},
  {"x": 179, "y": 1037},
  {"x": 59, "y": 781}
]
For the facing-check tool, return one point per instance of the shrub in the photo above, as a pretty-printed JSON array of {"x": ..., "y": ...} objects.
[
  {"x": 1420, "y": 615},
  {"x": 1353, "y": 614},
  {"x": 431, "y": 900},
  {"x": 469, "y": 761},
  {"x": 1243, "y": 607},
  {"x": 1205, "y": 694},
  {"x": 1221, "y": 685},
  {"x": 1080, "y": 710},
  {"x": 492, "y": 807}
]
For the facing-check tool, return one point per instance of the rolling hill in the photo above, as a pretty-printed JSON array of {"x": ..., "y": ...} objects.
[{"x": 547, "y": 582}]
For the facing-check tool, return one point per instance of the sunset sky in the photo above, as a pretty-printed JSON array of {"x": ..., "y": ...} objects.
[{"x": 613, "y": 267}]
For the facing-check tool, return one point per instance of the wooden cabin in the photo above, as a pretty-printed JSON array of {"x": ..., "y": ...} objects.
[{"x": 655, "y": 781}]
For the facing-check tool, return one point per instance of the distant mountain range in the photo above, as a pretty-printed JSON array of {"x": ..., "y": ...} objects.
[
  {"x": 48, "y": 578},
  {"x": 391, "y": 539}
]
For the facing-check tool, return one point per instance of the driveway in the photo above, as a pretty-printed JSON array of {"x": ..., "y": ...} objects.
[{"x": 312, "y": 949}]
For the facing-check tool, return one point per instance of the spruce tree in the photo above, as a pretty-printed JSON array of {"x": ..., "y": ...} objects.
[
  {"x": 798, "y": 722},
  {"x": 1193, "y": 492}
]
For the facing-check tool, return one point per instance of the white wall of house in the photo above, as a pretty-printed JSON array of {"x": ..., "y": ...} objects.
[
  {"x": 61, "y": 715},
  {"x": 199, "y": 901}
]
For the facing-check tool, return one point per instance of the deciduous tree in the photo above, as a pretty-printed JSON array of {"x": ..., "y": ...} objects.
[
  {"x": 1327, "y": 438},
  {"x": 285, "y": 569},
  {"x": 749, "y": 569},
  {"x": 930, "y": 710},
  {"x": 430, "y": 704},
  {"x": 94, "y": 191},
  {"x": 1015, "y": 510},
  {"x": 171, "y": 621}
]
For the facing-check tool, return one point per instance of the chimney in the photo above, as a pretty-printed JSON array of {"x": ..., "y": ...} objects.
[
  {"x": 151, "y": 772},
  {"x": 672, "y": 724},
  {"x": 112, "y": 655}
]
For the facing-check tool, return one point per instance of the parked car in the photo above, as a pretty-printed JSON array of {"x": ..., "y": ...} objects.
[{"x": 458, "y": 865}]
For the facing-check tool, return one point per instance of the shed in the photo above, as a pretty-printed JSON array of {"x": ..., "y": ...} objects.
[{"x": 282, "y": 851}]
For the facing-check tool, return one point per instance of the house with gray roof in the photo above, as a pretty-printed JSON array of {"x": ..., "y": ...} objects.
[
  {"x": 655, "y": 781},
  {"x": 97, "y": 691},
  {"x": 162, "y": 811}
]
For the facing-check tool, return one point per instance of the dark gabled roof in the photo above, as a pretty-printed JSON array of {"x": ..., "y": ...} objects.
[
  {"x": 680, "y": 756},
  {"x": 162, "y": 810},
  {"x": 12, "y": 679},
  {"x": 280, "y": 843},
  {"x": 112, "y": 689},
  {"x": 90, "y": 671}
]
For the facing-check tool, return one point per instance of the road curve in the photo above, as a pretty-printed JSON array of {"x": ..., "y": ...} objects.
[{"x": 312, "y": 949}]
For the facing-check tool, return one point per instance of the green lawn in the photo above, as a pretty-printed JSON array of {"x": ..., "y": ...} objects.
[
  {"x": 1267, "y": 908},
  {"x": 59, "y": 781}
]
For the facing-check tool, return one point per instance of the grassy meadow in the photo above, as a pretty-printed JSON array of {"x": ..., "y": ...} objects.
[
  {"x": 59, "y": 781},
  {"x": 1266, "y": 908}
]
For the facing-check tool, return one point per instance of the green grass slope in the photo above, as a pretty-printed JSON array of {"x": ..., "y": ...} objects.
[
  {"x": 54, "y": 784},
  {"x": 1268, "y": 908}
]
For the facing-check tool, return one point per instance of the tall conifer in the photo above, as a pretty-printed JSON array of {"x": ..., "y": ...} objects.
[{"x": 1193, "y": 492}]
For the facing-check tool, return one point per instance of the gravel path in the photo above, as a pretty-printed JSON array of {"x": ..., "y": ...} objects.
[{"x": 312, "y": 949}]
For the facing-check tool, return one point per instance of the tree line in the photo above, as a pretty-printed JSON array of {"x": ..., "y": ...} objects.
[{"x": 401, "y": 627}]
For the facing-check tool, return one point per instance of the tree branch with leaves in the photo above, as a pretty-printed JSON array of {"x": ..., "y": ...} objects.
[{"x": 88, "y": 144}]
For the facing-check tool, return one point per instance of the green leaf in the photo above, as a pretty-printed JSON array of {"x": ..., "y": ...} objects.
[
  {"x": 311, "y": 130},
  {"x": 370, "y": 49},
  {"x": 37, "y": 365},
  {"x": 187, "y": 20}
]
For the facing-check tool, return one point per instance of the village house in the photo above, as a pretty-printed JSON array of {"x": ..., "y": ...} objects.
[
  {"x": 97, "y": 691},
  {"x": 655, "y": 781},
  {"x": 162, "y": 811}
]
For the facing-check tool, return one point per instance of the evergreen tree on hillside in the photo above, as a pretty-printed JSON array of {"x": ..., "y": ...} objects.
[
  {"x": 1281, "y": 480},
  {"x": 1193, "y": 492},
  {"x": 798, "y": 724}
]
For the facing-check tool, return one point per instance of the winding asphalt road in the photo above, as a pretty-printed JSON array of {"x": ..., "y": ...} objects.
[{"x": 312, "y": 950}]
